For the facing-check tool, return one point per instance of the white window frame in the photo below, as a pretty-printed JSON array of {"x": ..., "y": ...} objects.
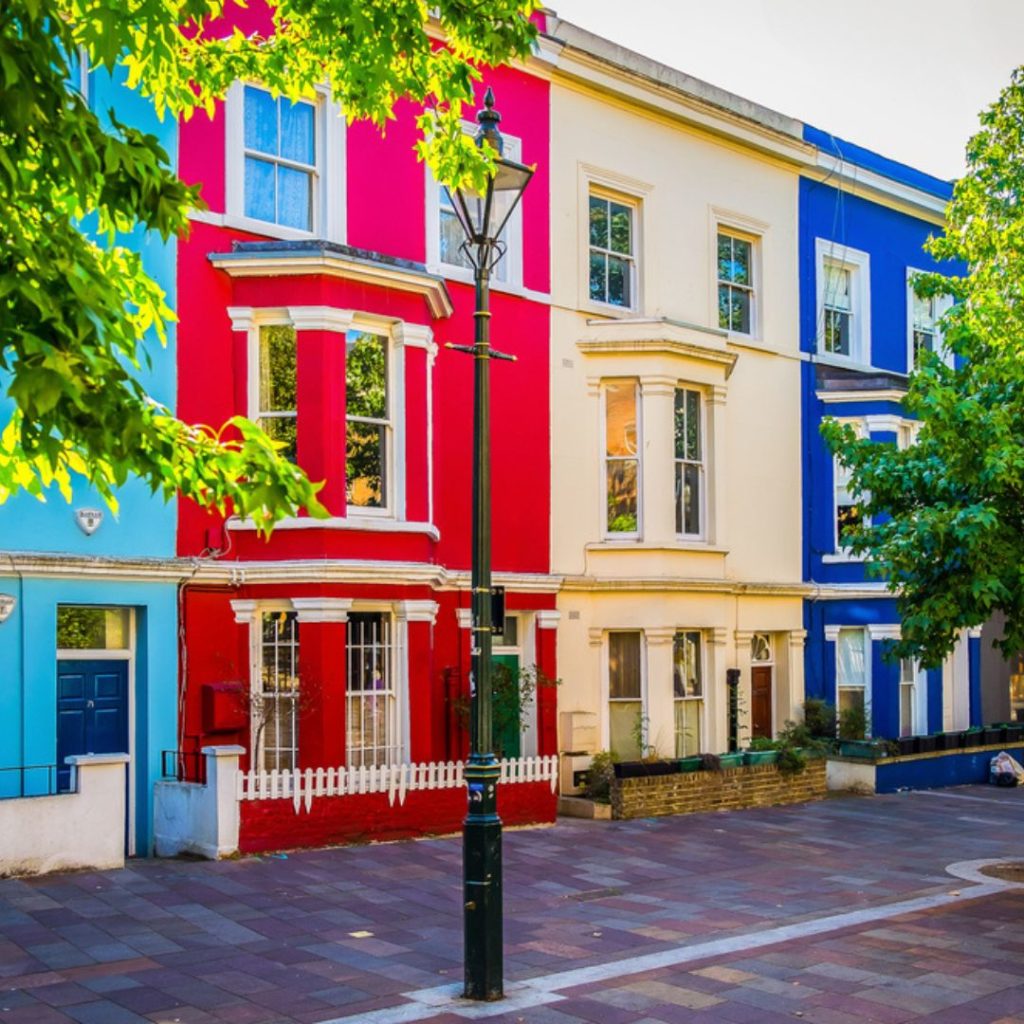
[
  {"x": 832, "y": 635},
  {"x": 606, "y": 679},
  {"x": 702, "y": 531},
  {"x": 842, "y": 553},
  {"x": 396, "y": 654},
  {"x": 942, "y": 305},
  {"x": 508, "y": 274},
  {"x": 393, "y": 463},
  {"x": 398, "y": 334},
  {"x": 605, "y": 459},
  {"x": 633, "y": 203},
  {"x": 919, "y": 699},
  {"x": 724, "y": 227},
  {"x": 858, "y": 264},
  {"x": 257, "y": 413},
  {"x": 257, "y": 744},
  {"x": 700, "y": 701},
  {"x": 329, "y": 191}
]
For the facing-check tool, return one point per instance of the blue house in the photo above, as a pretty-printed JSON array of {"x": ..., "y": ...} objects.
[
  {"x": 863, "y": 222},
  {"x": 88, "y": 648}
]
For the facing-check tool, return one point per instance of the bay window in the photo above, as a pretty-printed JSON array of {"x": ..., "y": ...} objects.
[
  {"x": 371, "y": 712},
  {"x": 688, "y": 692},
  {"x": 626, "y": 724},
  {"x": 275, "y": 702},
  {"x": 689, "y": 462},
  {"x": 368, "y": 420},
  {"x": 622, "y": 458},
  {"x": 277, "y": 395},
  {"x": 852, "y": 681}
]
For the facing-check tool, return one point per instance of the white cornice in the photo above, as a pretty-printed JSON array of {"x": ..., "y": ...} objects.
[
  {"x": 668, "y": 584},
  {"x": 887, "y": 423},
  {"x": 857, "y": 180},
  {"x": 322, "y": 609},
  {"x": 848, "y": 591},
  {"x": 548, "y": 618},
  {"x": 417, "y": 611},
  {"x": 881, "y": 395},
  {"x": 283, "y": 263},
  {"x": 884, "y": 631},
  {"x": 366, "y": 524},
  {"x": 245, "y": 611},
  {"x": 413, "y": 335},
  {"x": 464, "y": 617},
  {"x": 645, "y": 336}
]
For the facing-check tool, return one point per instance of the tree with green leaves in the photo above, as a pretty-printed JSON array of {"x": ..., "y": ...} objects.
[
  {"x": 943, "y": 519},
  {"x": 76, "y": 305}
]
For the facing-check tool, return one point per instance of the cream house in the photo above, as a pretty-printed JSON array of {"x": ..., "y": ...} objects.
[{"x": 675, "y": 405}]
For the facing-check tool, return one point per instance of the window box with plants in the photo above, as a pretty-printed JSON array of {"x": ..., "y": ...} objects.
[{"x": 761, "y": 750}]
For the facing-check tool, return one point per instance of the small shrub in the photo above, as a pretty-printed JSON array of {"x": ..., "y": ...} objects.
[
  {"x": 791, "y": 761},
  {"x": 762, "y": 743},
  {"x": 820, "y": 718},
  {"x": 710, "y": 763},
  {"x": 853, "y": 723},
  {"x": 599, "y": 776}
]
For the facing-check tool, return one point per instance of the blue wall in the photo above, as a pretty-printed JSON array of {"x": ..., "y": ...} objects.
[
  {"x": 894, "y": 242},
  {"x": 145, "y": 525},
  {"x": 144, "y": 528}
]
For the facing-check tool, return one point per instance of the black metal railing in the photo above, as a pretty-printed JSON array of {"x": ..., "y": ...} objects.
[
  {"x": 184, "y": 765},
  {"x": 35, "y": 780}
]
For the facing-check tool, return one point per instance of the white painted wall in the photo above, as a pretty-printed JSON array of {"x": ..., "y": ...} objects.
[
  {"x": 85, "y": 829},
  {"x": 850, "y": 777},
  {"x": 190, "y": 818}
]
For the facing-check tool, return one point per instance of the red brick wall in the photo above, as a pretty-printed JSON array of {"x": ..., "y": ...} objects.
[{"x": 331, "y": 821}]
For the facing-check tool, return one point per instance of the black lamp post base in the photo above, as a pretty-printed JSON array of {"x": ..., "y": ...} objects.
[{"x": 482, "y": 901}]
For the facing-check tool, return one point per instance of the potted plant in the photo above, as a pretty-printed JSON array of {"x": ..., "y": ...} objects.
[
  {"x": 650, "y": 762},
  {"x": 733, "y": 759},
  {"x": 761, "y": 750},
  {"x": 690, "y": 764}
]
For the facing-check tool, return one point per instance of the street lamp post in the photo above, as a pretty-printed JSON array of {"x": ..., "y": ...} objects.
[{"x": 483, "y": 216}]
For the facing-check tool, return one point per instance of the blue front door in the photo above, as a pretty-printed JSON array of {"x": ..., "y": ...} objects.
[{"x": 92, "y": 711}]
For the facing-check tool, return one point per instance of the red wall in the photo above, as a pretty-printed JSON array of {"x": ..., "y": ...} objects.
[
  {"x": 385, "y": 210},
  {"x": 331, "y": 821}
]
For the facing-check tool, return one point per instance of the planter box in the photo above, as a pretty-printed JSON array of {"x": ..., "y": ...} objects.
[
  {"x": 948, "y": 740},
  {"x": 869, "y": 749},
  {"x": 1013, "y": 734},
  {"x": 690, "y": 792},
  {"x": 924, "y": 744},
  {"x": 760, "y": 756},
  {"x": 641, "y": 769},
  {"x": 733, "y": 760},
  {"x": 907, "y": 745},
  {"x": 991, "y": 735},
  {"x": 689, "y": 764}
]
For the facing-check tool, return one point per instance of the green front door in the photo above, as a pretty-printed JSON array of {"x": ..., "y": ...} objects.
[{"x": 505, "y": 704}]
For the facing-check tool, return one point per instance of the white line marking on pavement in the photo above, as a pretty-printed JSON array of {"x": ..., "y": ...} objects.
[
  {"x": 426, "y": 1003},
  {"x": 1008, "y": 804}
]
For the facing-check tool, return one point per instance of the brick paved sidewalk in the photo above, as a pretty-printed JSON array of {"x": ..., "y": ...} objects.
[{"x": 351, "y": 933}]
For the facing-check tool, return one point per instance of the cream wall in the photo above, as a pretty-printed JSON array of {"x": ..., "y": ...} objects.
[{"x": 744, "y": 574}]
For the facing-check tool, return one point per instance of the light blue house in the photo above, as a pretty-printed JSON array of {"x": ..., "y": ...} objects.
[
  {"x": 863, "y": 222},
  {"x": 89, "y": 652}
]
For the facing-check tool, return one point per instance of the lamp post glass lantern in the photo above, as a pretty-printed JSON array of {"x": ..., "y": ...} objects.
[{"x": 483, "y": 216}]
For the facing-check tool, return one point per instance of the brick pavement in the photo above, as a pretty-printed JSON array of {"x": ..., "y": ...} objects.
[{"x": 606, "y": 923}]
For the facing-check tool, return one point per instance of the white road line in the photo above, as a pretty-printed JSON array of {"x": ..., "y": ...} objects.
[
  {"x": 1010, "y": 804},
  {"x": 426, "y": 1003}
]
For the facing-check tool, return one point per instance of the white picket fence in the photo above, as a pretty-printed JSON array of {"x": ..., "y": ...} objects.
[{"x": 301, "y": 786}]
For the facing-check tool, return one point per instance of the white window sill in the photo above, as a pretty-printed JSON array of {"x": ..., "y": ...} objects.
[
  {"x": 848, "y": 363},
  {"x": 635, "y": 544},
  {"x": 463, "y": 275},
  {"x": 367, "y": 524},
  {"x": 842, "y": 558},
  {"x": 606, "y": 309},
  {"x": 266, "y": 229}
]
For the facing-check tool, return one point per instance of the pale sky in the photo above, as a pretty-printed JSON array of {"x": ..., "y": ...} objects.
[{"x": 906, "y": 78}]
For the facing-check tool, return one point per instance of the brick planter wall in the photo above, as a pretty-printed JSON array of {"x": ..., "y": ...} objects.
[{"x": 730, "y": 789}]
